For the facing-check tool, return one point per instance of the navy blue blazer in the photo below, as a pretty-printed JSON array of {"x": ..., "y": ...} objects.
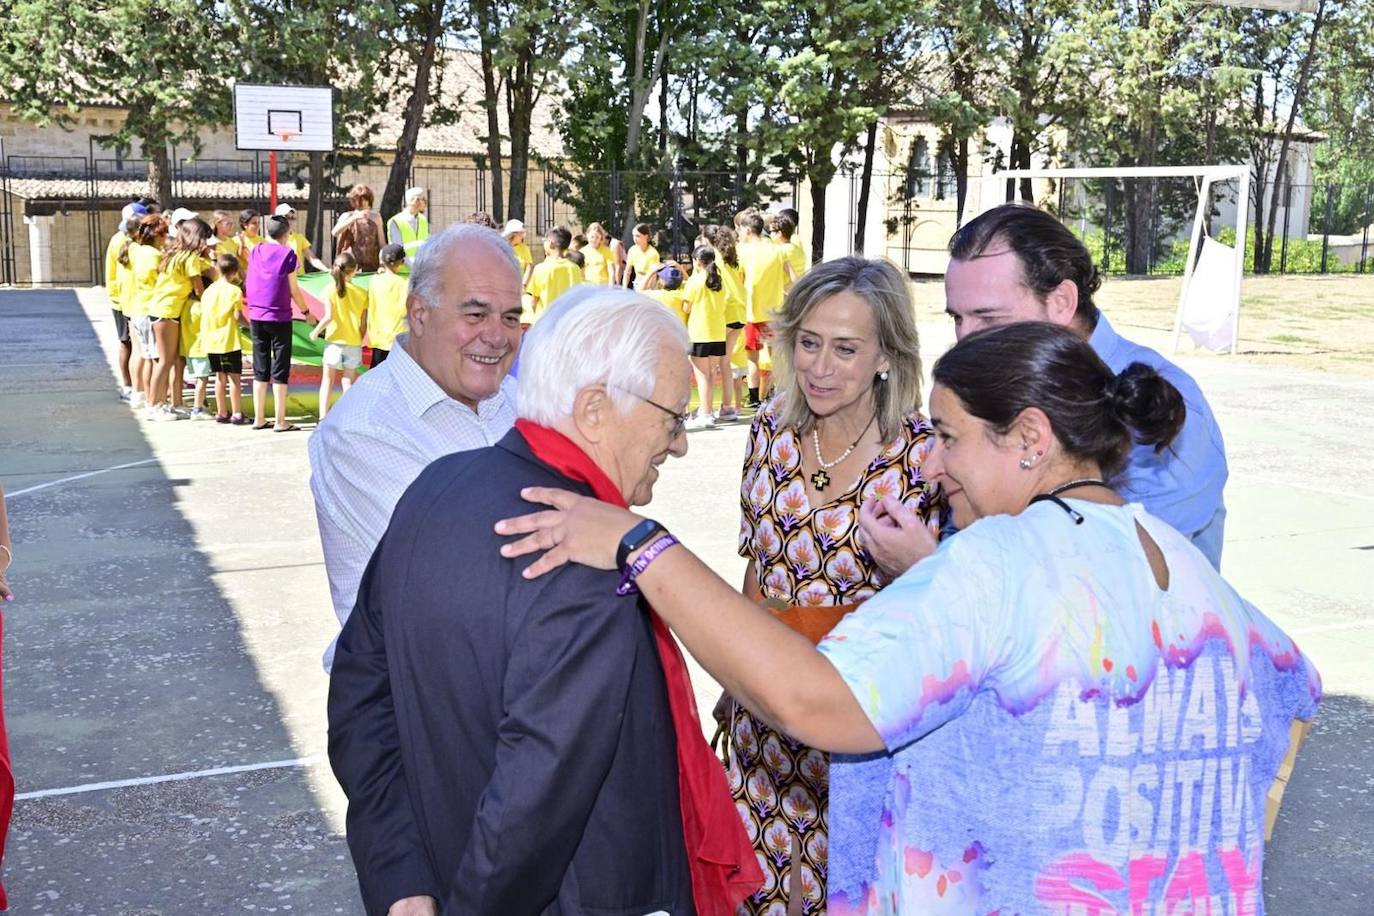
[{"x": 505, "y": 745}]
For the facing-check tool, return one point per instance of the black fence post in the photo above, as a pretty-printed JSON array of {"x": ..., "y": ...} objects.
[
  {"x": 1368, "y": 217},
  {"x": 1326, "y": 228},
  {"x": 1107, "y": 231},
  {"x": 1283, "y": 242},
  {"x": 675, "y": 206}
]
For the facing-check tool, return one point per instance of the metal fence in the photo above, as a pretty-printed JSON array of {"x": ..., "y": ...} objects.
[
  {"x": 77, "y": 200},
  {"x": 1322, "y": 228},
  {"x": 1136, "y": 227}
]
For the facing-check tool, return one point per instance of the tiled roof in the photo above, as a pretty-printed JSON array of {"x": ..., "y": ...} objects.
[{"x": 462, "y": 90}]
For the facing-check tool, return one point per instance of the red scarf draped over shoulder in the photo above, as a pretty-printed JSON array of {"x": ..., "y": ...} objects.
[{"x": 724, "y": 868}]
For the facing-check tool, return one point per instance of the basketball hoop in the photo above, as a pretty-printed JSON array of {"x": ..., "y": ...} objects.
[{"x": 277, "y": 118}]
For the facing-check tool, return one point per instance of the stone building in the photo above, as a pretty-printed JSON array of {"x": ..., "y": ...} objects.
[{"x": 61, "y": 190}]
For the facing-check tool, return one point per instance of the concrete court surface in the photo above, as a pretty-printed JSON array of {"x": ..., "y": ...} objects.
[{"x": 172, "y": 610}]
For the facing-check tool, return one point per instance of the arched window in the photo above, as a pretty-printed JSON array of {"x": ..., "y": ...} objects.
[{"x": 918, "y": 170}]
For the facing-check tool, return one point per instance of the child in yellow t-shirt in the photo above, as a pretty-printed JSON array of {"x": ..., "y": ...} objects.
[
  {"x": 343, "y": 325},
  {"x": 178, "y": 280},
  {"x": 554, "y": 275},
  {"x": 642, "y": 259},
  {"x": 386, "y": 303},
  {"x": 193, "y": 355},
  {"x": 706, "y": 305},
  {"x": 221, "y": 311},
  {"x": 669, "y": 291}
]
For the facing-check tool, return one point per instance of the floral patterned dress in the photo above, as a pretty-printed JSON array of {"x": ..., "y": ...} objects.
[{"x": 805, "y": 557}]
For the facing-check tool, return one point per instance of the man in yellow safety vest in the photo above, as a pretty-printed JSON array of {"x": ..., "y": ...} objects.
[{"x": 410, "y": 227}]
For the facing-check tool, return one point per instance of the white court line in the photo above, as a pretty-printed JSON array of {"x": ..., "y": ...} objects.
[
  {"x": 1332, "y": 628},
  {"x": 132, "y": 464},
  {"x": 1290, "y": 485},
  {"x": 170, "y": 777}
]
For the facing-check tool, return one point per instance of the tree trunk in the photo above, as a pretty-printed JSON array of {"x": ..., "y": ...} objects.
[
  {"x": 641, "y": 84},
  {"x": 519, "y": 107},
  {"x": 159, "y": 169},
  {"x": 399, "y": 177},
  {"x": 818, "y": 189},
  {"x": 960, "y": 180},
  {"x": 314, "y": 209},
  {"x": 490, "y": 101},
  {"x": 865, "y": 186},
  {"x": 1299, "y": 91}
]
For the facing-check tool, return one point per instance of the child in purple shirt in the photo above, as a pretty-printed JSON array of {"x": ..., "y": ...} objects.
[{"x": 269, "y": 289}]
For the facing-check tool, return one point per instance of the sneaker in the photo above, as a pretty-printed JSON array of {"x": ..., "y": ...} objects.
[
  {"x": 728, "y": 415},
  {"x": 163, "y": 413},
  {"x": 181, "y": 412},
  {"x": 137, "y": 401},
  {"x": 239, "y": 419},
  {"x": 701, "y": 421},
  {"x": 124, "y": 392},
  {"x": 221, "y": 418},
  {"x": 200, "y": 413}
]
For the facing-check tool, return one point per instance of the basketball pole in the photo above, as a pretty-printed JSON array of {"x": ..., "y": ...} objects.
[{"x": 272, "y": 178}]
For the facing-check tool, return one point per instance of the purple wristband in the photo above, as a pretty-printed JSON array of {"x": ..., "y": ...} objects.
[{"x": 627, "y": 579}]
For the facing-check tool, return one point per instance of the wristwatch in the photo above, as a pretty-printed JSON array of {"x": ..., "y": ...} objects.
[{"x": 636, "y": 538}]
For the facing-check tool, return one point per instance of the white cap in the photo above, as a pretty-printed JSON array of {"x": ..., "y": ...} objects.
[
  {"x": 181, "y": 215},
  {"x": 512, "y": 227},
  {"x": 284, "y": 209}
]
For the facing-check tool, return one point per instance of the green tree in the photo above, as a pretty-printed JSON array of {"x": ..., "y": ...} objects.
[
  {"x": 1341, "y": 104},
  {"x": 56, "y": 55},
  {"x": 317, "y": 43}
]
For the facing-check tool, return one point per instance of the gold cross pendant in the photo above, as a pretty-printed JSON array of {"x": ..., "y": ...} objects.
[{"x": 820, "y": 480}]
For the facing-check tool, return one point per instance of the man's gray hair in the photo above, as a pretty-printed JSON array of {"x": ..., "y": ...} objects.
[
  {"x": 594, "y": 335},
  {"x": 427, "y": 270},
  {"x": 414, "y": 194}
]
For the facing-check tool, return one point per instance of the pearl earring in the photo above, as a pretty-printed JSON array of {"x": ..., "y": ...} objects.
[
  {"x": 882, "y": 376},
  {"x": 1026, "y": 464}
]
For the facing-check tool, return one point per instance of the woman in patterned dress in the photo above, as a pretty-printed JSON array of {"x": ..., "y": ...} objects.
[{"x": 843, "y": 431}]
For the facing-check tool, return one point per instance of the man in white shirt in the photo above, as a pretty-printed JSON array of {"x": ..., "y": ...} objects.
[{"x": 444, "y": 388}]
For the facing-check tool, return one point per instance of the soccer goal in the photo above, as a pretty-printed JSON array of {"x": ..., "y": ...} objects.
[{"x": 1209, "y": 301}]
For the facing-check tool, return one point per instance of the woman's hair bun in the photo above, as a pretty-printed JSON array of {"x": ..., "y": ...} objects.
[{"x": 1148, "y": 403}]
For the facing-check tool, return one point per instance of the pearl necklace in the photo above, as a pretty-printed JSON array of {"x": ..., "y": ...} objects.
[{"x": 820, "y": 479}]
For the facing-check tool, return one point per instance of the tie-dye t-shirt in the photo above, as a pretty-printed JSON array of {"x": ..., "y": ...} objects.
[{"x": 1064, "y": 737}]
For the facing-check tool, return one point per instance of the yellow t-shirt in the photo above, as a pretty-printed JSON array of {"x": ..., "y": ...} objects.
[
  {"x": 732, "y": 281},
  {"x": 114, "y": 271},
  {"x": 300, "y": 245},
  {"x": 219, "y": 308},
  {"x": 229, "y": 246},
  {"x": 386, "y": 308},
  {"x": 764, "y": 279},
  {"x": 173, "y": 284},
  {"x": 705, "y": 309},
  {"x": 643, "y": 261},
  {"x": 190, "y": 341},
  {"x": 246, "y": 244},
  {"x": 796, "y": 255},
  {"x": 346, "y": 315},
  {"x": 552, "y": 277},
  {"x": 597, "y": 267},
  {"x": 522, "y": 256},
  {"x": 141, "y": 278},
  {"x": 672, "y": 298}
]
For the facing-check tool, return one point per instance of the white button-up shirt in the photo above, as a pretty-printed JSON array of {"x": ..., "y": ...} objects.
[{"x": 372, "y": 446}]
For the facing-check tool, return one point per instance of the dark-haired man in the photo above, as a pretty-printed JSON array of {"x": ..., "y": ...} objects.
[{"x": 1018, "y": 263}]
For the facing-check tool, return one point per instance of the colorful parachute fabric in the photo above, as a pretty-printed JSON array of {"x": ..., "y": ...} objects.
[{"x": 315, "y": 286}]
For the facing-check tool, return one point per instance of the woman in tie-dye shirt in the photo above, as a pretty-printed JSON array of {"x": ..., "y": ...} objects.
[{"x": 1067, "y": 709}]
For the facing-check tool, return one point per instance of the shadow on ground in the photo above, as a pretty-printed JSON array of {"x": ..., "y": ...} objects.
[{"x": 123, "y": 659}]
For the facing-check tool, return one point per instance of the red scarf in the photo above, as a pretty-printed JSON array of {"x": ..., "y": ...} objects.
[{"x": 724, "y": 869}]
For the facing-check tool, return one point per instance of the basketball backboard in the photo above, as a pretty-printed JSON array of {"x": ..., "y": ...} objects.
[{"x": 283, "y": 118}]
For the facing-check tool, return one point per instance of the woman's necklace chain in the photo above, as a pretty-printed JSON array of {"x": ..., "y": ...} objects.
[
  {"x": 820, "y": 479},
  {"x": 1080, "y": 482}
]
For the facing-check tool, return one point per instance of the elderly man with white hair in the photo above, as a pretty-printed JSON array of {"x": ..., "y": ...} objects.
[
  {"x": 410, "y": 227},
  {"x": 511, "y": 745},
  {"x": 444, "y": 388}
]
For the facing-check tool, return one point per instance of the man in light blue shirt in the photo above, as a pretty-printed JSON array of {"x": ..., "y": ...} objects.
[{"x": 1018, "y": 263}]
